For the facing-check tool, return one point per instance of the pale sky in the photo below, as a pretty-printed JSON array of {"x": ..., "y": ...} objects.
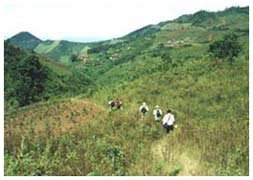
[{"x": 92, "y": 20}]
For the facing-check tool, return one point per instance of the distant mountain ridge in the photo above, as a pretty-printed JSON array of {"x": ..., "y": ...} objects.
[
  {"x": 62, "y": 50},
  {"x": 25, "y": 40}
]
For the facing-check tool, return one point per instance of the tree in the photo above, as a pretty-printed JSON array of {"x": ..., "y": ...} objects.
[
  {"x": 31, "y": 79},
  {"x": 74, "y": 58},
  {"x": 228, "y": 47}
]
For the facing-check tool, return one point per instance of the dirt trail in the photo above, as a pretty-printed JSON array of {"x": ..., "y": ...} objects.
[{"x": 175, "y": 156}]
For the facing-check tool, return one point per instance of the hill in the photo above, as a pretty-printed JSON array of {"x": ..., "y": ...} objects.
[
  {"x": 30, "y": 77},
  {"x": 171, "y": 66},
  {"x": 61, "y": 51},
  {"x": 199, "y": 23},
  {"x": 25, "y": 40}
]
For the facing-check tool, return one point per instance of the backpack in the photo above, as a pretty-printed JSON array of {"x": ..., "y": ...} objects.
[
  {"x": 143, "y": 110},
  {"x": 158, "y": 113},
  {"x": 112, "y": 104}
]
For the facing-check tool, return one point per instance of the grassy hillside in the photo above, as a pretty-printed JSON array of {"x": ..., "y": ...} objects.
[
  {"x": 171, "y": 67},
  {"x": 208, "y": 102},
  {"x": 60, "y": 50}
]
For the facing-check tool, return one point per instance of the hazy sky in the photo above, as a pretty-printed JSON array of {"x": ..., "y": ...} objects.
[{"x": 90, "y": 20}]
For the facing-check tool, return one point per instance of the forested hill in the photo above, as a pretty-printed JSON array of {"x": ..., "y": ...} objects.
[{"x": 25, "y": 40}]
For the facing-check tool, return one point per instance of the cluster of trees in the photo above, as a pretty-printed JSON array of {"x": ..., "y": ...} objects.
[
  {"x": 226, "y": 48},
  {"x": 28, "y": 80},
  {"x": 25, "y": 76}
]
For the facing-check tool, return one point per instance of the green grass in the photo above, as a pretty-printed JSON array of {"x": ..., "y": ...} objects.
[
  {"x": 207, "y": 101},
  {"x": 46, "y": 47},
  {"x": 60, "y": 50}
]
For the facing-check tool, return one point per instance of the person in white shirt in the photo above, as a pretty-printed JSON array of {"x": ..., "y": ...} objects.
[
  {"x": 111, "y": 104},
  {"x": 168, "y": 121},
  {"x": 157, "y": 113},
  {"x": 144, "y": 108},
  {"x": 119, "y": 104}
]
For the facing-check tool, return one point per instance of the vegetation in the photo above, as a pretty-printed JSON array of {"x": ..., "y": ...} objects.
[
  {"x": 228, "y": 47},
  {"x": 30, "y": 78},
  {"x": 74, "y": 58},
  {"x": 73, "y": 133},
  {"x": 60, "y": 51},
  {"x": 25, "y": 40},
  {"x": 24, "y": 77}
]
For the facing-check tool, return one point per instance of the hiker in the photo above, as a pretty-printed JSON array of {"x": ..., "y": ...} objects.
[
  {"x": 111, "y": 104},
  {"x": 119, "y": 104},
  {"x": 157, "y": 113},
  {"x": 144, "y": 108},
  {"x": 168, "y": 121}
]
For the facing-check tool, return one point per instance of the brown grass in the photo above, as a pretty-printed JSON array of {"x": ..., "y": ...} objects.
[{"x": 49, "y": 120}]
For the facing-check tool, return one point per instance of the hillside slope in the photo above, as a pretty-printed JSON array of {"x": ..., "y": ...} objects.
[
  {"x": 30, "y": 77},
  {"x": 57, "y": 50},
  {"x": 61, "y": 116},
  {"x": 171, "y": 67},
  {"x": 60, "y": 51},
  {"x": 178, "y": 39}
]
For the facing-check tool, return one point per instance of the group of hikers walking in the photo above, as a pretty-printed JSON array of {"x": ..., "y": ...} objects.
[
  {"x": 115, "y": 104},
  {"x": 168, "y": 120}
]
